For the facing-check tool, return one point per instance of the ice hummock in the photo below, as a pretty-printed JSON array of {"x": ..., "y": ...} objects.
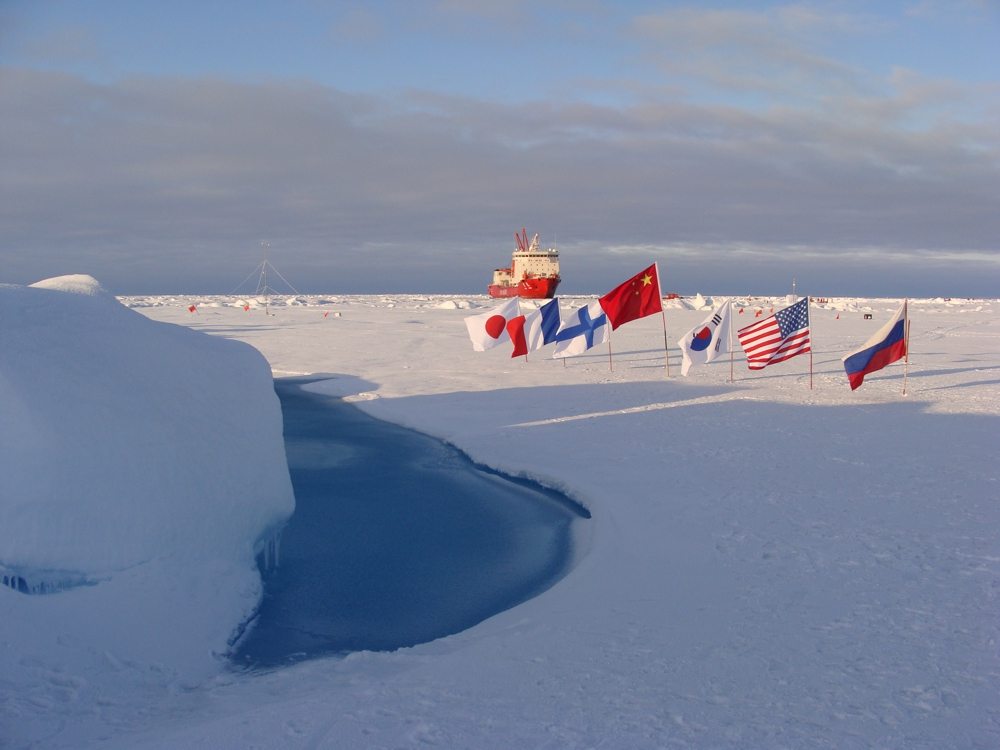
[
  {"x": 127, "y": 439},
  {"x": 143, "y": 458}
]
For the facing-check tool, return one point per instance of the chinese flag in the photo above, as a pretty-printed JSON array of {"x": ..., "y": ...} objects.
[{"x": 636, "y": 298}]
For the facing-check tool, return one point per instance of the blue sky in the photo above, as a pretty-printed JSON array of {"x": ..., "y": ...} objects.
[{"x": 396, "y": 146}]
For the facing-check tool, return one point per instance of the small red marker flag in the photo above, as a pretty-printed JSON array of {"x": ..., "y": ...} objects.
[
  {"x": 193, "y": 309},
  {"x": 246, "y": 308},
  {"x": 325, "y": 314}
]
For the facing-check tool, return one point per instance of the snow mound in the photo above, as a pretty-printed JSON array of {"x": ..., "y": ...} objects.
[
  {"x": 126, "y": 439},
  {"x": 137, "y": 456},
  {"x": 701, "y": 303},
  {"x": 77, "y": 283}
]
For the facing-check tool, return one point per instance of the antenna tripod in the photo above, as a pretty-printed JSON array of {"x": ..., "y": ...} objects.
[{"x": 262, "y": 281}]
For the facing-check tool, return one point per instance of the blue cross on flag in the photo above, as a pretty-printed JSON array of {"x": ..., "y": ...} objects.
[{"x": 581, "y": 330}]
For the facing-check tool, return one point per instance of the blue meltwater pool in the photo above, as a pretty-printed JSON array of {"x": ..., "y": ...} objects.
[{"x": 397, "y": 538}]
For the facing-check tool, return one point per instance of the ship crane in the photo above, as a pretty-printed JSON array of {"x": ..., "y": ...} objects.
[
  {"x": 523, "y": 246},
  {"x": 521, "y": 240}
]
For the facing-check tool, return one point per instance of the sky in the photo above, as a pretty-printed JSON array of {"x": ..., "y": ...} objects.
[{"x": 393, "y": 147}]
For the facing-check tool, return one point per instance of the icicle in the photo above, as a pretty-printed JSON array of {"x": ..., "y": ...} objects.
[{"x": 37, "y": 582}]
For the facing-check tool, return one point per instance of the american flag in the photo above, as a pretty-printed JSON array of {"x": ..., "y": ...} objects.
[{"x": 777, "y": 337}]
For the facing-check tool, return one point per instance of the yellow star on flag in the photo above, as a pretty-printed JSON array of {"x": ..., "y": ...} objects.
[{"x": 647, "y": 280}]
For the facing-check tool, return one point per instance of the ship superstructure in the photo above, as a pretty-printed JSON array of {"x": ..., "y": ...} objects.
[{"x": 533, "y": 272}]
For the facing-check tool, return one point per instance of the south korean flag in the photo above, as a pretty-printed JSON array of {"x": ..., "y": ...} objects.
[{"x": 706, "y": 341}]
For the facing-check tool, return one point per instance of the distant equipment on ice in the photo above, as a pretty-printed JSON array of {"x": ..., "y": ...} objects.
[{"x": 263, "y": 290}]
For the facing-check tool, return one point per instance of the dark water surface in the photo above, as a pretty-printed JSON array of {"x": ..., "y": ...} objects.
[{"x": 397, "y": 538}]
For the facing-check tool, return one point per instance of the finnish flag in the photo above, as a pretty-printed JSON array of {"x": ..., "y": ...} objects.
[{"x": 581, "y": 330}]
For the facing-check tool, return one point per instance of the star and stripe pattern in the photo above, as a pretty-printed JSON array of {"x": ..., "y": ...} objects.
[{"x": 777, "y": 337}]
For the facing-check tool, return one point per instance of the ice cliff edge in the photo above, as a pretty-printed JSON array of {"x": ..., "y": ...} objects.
[
  {"x": 124, "y": 439},
  {"x": 134, "y": 455}
]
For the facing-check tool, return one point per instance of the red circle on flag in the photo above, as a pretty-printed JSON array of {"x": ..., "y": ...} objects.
[{"x": 495, "y": 326}]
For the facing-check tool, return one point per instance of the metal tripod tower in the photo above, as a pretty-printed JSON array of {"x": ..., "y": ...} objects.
[{"x": 262, "y": 286}]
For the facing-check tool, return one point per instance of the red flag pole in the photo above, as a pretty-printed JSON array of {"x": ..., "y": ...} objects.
[{"x": 906, "y": 336}]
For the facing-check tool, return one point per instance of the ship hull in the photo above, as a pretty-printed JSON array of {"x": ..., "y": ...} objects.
[{"x": 527, "y": 288}]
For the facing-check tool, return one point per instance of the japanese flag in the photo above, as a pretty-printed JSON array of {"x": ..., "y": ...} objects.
[{"x": 490, "y": 328}]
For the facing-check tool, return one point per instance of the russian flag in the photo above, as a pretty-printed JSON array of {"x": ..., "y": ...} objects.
[{"x": 884, "y": 348}]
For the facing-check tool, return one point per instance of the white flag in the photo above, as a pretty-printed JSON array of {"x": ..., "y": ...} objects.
[
  {"x": 581, "y": 330},
  {"x": 490, "y": 328},
  {"x": 706, "y": 341}
]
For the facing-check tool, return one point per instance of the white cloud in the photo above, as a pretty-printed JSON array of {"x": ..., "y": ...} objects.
[
  {"x": 149, "y": 174},
  {"x": 65, "y": 44},
  {"x": 746, "y": 51},
  {"x": 359, "y": 25}
]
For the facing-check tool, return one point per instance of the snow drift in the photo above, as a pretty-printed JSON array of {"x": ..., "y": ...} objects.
[{"x": 141, "y": 457}]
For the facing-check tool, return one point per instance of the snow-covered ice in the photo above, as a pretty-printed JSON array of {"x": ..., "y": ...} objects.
[{"x": 771, "y": 566}]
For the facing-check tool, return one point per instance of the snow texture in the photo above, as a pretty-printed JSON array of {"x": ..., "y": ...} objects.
[
  {"x": 141, "y": 464},
  {"x": 771, "y": 566}
]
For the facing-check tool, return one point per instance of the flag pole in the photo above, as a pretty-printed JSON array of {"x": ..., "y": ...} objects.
[
  {"x": 906, "y": 336},
  {"x": 809, "y": 319},
  {"x": 519, "y": 313},
  {"x": 666, "y": 355},
  {"x": 663, "y": 316},
  {"x": 611, "y": 365},
  {"x": 731, "y": 378}
]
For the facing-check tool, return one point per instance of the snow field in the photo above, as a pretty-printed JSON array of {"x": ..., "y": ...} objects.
[{"x": 770, "y": 566}]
